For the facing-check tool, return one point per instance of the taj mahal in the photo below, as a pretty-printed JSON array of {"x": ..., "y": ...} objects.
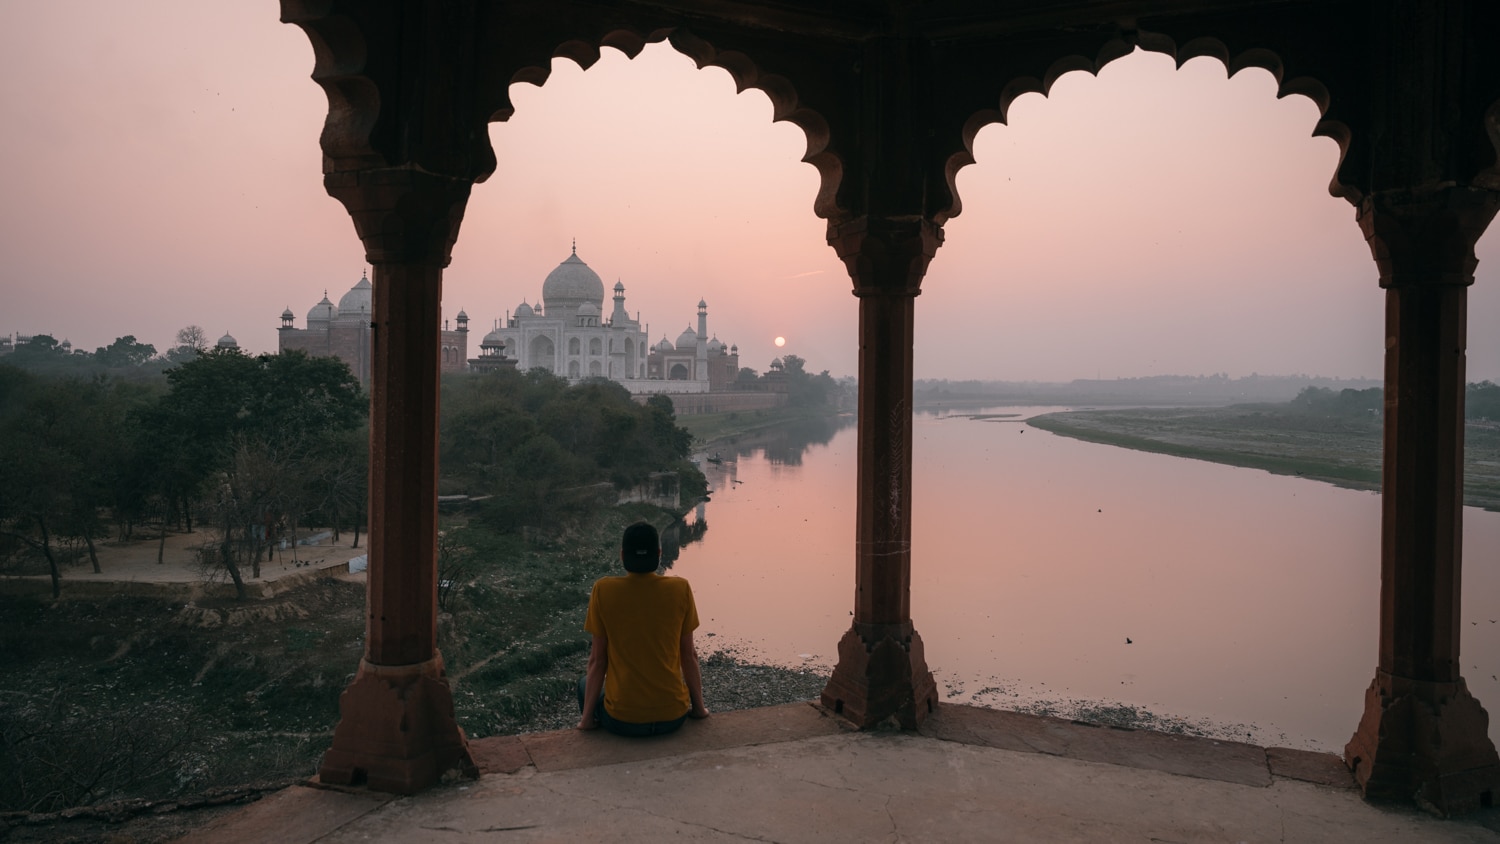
[{"x": 566, "y": 332}]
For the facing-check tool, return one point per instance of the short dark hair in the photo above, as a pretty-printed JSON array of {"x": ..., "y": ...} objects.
[{"x": 640, "y": 548}]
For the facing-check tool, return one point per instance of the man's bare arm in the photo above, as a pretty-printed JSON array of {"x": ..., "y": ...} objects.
[
  {"x": 692, "y": 675},
  {"x": 593, "y": 685}
]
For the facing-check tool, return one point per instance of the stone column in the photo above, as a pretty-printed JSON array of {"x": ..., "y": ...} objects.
[
  {"x": 397, "y": 731},
  {"x": 882, "y": 673},
  {"x": 1423, "y": 734}
]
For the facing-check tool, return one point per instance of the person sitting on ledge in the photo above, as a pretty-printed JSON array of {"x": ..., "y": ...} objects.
[{"x": 643, "y": 676}]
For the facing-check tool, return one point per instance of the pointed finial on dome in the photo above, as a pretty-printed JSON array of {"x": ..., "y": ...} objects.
[{"x": 575, "y": 246}]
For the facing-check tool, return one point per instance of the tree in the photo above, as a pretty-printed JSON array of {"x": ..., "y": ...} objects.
[
  {"x": 231, "y": 422},
  {"x": 530, "y": 441},
  {"x": 124, "y": 353},
  {"x": 804, "y": 390},
  {"x": 191, "y": 342},
  {"x": 1482, "y": 401},
  {"x": 62, "y": 443}
]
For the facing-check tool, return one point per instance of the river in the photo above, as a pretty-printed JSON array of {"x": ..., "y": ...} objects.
[{"x": 1055, "y": 575}]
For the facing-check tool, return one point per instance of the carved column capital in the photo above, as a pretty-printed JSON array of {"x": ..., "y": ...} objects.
[
  {"x": 403, "y": 214},
  {"x": 1426, "y": 237},
  {"x": 885, "y": 256}
]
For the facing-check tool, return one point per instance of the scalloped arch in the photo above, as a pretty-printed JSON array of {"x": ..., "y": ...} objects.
[
  {"x": 1012, "y": 89},
  {"x": 1117, "y": 48},
  {"x": 742, "y": 69},
  {"x": 1269, "y": 61}
]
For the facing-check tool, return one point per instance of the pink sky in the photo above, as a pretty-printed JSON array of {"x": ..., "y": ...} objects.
[{"x": 161, "y": 169}]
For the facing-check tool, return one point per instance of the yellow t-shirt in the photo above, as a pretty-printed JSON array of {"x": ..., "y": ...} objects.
[{"x": 643, "y": 616}]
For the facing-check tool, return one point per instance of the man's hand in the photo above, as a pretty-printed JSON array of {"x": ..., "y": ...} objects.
[
  {"x": 698, "y": 712},
  {"x": 588, "y": 723}
]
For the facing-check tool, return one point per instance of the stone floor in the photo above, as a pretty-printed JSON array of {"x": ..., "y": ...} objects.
[{"x": 792, "y": 773}]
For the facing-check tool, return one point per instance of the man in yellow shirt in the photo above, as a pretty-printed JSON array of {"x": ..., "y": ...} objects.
[{"x": 643, "y": 677}]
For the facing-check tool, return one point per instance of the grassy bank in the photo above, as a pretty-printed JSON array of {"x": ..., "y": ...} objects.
[
  {"x": 710, "y": 429},
  {"x": 1276, "y": 438}
]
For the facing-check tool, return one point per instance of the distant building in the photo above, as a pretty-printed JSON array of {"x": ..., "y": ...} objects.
[
  {"x": 343, "y": 331},
  {"x": 566, "y": 333}
]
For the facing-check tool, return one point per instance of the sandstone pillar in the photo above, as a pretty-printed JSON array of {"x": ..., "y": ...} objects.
[
  {"x": 881, "y": 673},
  {"x": 1423, "y": 735},
  {"x": 397, "y": 731}
]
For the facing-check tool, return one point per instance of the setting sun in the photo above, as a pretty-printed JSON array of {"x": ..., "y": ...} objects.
[{"x": 780, "y": 341}]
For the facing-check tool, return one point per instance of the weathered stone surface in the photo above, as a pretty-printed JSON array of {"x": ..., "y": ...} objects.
[
  {"x": 300, "y": 813},
  {"x": 1191, "y": 756},
  {"x": 566, "y": 749},
  {"x": 1309, "y": 766},
  {"x": 499, "y": 754}
]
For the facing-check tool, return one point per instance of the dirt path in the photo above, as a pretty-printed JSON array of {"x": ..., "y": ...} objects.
[{"x": 132, "y": 566}]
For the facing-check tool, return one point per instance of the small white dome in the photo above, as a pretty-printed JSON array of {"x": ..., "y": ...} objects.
[
  {"x": 227, "y": 342},
  {"x": 356, "y": 303},
  {"x": 688, "y": 339},
  {"x": 324, "y": 310},
  {"x": 665, "y": 345},
  {"x": 287, "y": 314},
  {"x": 492, "y": 339},
  {"x": 588, "y": 309},
  {"x": 524, "y": 310},
  {"x": 714, "y": 346}
]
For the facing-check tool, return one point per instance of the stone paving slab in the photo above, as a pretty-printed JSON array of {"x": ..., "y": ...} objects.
[
  {"x": 1190, "y": 756},
  {"x": 794, "y": 774},
  {"x": 566, "y": 749},
  {"x": 889, "y": 787},
  {"x": 1309, "y": 766},
  {"x": 297, "y": 814},
  {"x": 499, "y": 754}
]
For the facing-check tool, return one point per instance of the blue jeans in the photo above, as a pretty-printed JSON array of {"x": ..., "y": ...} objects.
[{"x": 629, "y": 729}]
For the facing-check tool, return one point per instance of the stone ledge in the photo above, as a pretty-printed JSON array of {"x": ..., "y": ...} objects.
[{"x": 1211, "y": 759}]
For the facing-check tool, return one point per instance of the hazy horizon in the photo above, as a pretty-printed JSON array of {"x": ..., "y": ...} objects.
[{"x": 164, "y": 171}]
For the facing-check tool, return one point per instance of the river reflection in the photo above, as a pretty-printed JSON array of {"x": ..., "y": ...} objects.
[{"x": 1248, "y": 600}]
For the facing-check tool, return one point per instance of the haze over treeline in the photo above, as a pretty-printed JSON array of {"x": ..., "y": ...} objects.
[{"x": 1205, "y": 390}]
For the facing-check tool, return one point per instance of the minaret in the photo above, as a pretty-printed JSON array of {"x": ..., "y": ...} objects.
[
  {"x": 701, "y": 353},
  {"x": 620, "y": 316}
]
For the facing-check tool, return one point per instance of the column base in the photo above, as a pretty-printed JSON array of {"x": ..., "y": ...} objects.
[
  {"x": 1424, "y": 741},
  {"x": 397, "y": 732},
  {"x": 881, "y": 676}
]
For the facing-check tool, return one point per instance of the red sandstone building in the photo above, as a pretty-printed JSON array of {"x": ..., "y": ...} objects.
[
  {"x": 890, "y": 95},
  {"x": 343, "y": 331}
]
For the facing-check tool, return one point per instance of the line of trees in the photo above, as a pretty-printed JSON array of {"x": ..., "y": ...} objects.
[
  {"x": 1481, "y": 401},
  {"x": 248, "y": 443},
  {"x": 126, "y": 357},
  {"x": 526, "y": 441}
]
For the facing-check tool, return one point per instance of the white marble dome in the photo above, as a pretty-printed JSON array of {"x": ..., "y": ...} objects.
[
  {"x": 688, "y": 339},
  {"x": 523, "y": 310},
  {"x": 324, "y": 311},
  {"x": 665, "y": 345},
  {"x": 227, "y": 342},
  {"x": 356, "y": 303},
  {"x": 572, "y": 285}
]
